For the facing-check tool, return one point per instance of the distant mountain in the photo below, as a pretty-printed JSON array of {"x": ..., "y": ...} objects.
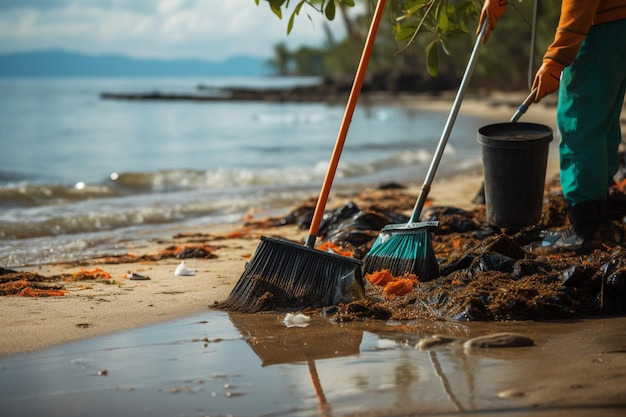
[{"x": 56, "y": 63}]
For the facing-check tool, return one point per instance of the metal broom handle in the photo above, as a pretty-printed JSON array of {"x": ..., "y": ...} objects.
[
  {"x": 524, "y": 106},
  {"x": 421, "y": 199},
  {"x": 345, "y": 124}
]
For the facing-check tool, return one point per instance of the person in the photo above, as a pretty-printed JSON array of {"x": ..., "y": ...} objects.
[{"x": 586, "y": 64}]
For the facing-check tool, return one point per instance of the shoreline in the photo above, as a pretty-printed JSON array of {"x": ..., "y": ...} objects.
[{"x": 93, "y": 308}]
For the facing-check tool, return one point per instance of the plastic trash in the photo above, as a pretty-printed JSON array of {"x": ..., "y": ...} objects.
[
  {"x": 182, "y": 270},
  {"x": 296, "y": 320}
]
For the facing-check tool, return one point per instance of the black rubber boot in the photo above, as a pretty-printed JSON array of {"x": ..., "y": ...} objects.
[
  {"x": 587, "y": 218},
  {"x": 591, "y": 222}
]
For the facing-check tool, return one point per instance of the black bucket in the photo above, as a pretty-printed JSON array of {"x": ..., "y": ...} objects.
[{"x": 515, "y": 157}]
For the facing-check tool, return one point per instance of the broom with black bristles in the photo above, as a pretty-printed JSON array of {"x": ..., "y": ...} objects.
[
  {"x": 407, "y": 248},
  {"x": 287, "y": 275}
]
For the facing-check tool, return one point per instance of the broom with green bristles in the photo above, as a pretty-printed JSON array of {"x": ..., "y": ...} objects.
[
  {"x": 287, "y": 275},
  {"x": 407, "y": 248}
]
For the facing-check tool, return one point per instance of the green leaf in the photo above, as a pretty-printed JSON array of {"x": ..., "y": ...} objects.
[
  {"x": 444, "y": 45},
  {"x": 432, "y": 60},
  {"x": 276, "y": 6},
  {"x": 404, "y": 32},
  {"x": 411, "y": 8},
  {"x": 277, "y": 10},
  {"x": 463, "y": 27},
  {"x": 330, "y": 10},
  {"x": 292, "y": 19},
  {"x": 348, "y": 2},
  {"x": 443, "y": 22}
]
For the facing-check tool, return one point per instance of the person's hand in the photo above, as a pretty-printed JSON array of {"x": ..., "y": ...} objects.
[
  {"x": 492, "y": 10},
  {"x": 547, "y": 79}
]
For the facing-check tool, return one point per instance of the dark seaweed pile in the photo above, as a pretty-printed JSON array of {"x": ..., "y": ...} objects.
[{"x": 487, "y": 273}]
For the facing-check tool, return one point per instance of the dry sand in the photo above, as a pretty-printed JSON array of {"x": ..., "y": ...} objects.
[{"x": 94, "y": 308}]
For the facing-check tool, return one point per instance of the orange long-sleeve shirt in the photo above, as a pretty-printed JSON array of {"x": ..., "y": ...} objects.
[
  {"x": 577, "y": 16},
  {"x": 609, "y": 11}
]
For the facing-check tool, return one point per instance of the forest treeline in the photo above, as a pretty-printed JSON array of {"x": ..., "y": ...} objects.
[{"x": 505, "y": 62}]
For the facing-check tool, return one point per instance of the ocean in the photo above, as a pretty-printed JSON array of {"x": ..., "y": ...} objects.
[{"x": 82, "y": 176}]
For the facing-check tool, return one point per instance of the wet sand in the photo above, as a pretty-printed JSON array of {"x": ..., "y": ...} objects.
[
  {"x": 216, "y": 363},
  {"x": 577, "y": 363}
]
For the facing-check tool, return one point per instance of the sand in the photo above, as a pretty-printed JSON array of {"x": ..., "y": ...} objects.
[{"x": 96, "y": 307}]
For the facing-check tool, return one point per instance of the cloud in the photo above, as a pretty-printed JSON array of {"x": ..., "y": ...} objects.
[{"x": 159, "y": 29}]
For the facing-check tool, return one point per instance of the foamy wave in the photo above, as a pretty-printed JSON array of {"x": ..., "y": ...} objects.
[
  {"x": 174, "y": 180},
  {"x": 121, "y": 185},
  {"x": 401, "y": 159},
  {"x": 32, "y": 195},
  {"x": 92, "y": 217}
]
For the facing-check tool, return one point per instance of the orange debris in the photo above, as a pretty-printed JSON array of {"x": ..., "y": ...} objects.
[
  {"x": 171, "y": 250},
  {"x": 393, "y": 285},
  {"x": 380, "y": 277},
  {"x": 24, "y": 288},
  {"x": 621, "y": 185},
  {"x": 237, "y": 234},
  {"x": 400, "y": 286},
  {"x": 331, "y": 247},
  {"x": 40, "y": 292},
  {"x": 96, "y": 273}
]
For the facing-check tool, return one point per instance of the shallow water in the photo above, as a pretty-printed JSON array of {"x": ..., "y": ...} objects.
[
  {"x": 80, "y": 176},
  {"x": 224, "y": 364}
]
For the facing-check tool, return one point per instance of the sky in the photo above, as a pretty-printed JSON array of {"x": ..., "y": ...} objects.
[{"x": 203, "y": 29}]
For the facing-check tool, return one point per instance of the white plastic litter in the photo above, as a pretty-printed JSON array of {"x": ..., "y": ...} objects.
[
  {"x": 296, "y": 320},
  {"x": 182, "y": 270}
]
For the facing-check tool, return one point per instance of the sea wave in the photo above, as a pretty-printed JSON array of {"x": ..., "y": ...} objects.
[
  {"x": 26, "y": 194},
  {"x": 95, "y": 216},
  {"x": 140, "y": 199},
  {"x": 74, "y": 221}
]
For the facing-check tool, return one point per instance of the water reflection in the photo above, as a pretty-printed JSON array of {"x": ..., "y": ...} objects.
[
  {"x": 225, "y": 364},
  {"x": 274, "y": 343},
  {"x": 209, "y": 365}
]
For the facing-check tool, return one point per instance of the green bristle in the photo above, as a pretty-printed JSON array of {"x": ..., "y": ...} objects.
[{"x": 403, "y": 252}]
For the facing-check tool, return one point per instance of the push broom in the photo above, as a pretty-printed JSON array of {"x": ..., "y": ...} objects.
[
  {"x": 287, "y": 275},
  {"x": 407, "y": 248}
]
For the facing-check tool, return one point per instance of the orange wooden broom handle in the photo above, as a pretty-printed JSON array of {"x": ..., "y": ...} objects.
[{"x": 345, "y": 124}]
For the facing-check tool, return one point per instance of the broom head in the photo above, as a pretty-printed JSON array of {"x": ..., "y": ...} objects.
[
  {"x": 404, "y": 249},
  {"x": 285, "y": 275}
]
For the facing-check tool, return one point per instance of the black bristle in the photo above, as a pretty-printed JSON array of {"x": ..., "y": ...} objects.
[{"x": 284, "y": 275}]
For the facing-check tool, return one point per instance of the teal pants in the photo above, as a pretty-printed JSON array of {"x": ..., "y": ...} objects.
[{"x": 591, "y": 97}]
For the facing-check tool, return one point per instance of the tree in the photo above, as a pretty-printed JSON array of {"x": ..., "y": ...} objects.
[
  {"x": 281, "y": 59},
  {"x": 442, "y": 19},
  {"x": 436, "y": 35}
]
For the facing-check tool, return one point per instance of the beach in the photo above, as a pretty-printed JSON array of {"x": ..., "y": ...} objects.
[
  {"x": 95, "y": 308},
  {"x": 103, "y": 297}
]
